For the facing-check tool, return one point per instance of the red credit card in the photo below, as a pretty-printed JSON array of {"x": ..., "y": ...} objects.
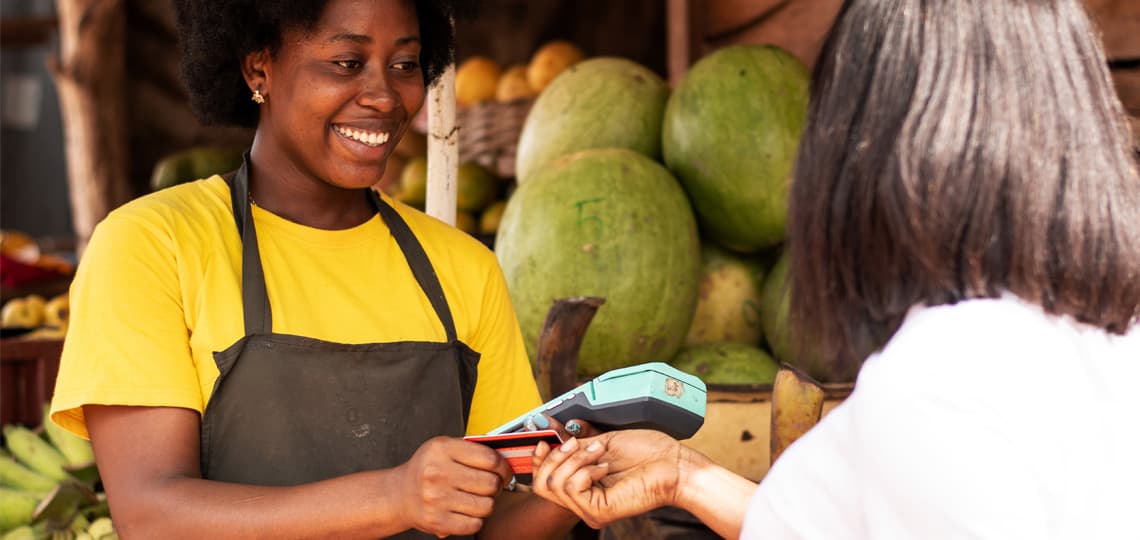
[{"x": 517, "y": 448}]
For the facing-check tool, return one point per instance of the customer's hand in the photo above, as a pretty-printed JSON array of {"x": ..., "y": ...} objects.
[{"x": 612, "y": 476}]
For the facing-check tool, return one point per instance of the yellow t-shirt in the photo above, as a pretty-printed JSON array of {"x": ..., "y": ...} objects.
[{"x": 159, "y": 291}]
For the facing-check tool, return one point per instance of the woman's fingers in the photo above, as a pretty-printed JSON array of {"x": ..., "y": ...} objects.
[
  {"x": 573, "y": 462},
  {"x": 585, "y": 498},
  {"x": 583, "y": 479},
  {"x": 571, "y": 481},
  {"x": 573, "y": 428},
  {"x": 582, "y": 429},
  {"x": 547, "y": 463}
]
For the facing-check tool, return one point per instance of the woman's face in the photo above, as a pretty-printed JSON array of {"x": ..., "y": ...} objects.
[{"x": 340, "y": 96}]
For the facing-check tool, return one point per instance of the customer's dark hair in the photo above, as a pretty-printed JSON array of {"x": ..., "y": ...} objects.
[
  {"x": 959, "y": 149},
  {"x": 215, "y": 35}
]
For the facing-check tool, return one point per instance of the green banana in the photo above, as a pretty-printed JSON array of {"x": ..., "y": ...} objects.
[
  {"x": 101, "y": 528},
  {"x": 23, "y": 532},
  {"x": 14, "y": 475},
  {"x": 74, "y": 448},
  {"x": 16, "y": 507},
  {"x": 35, "y": 453},
  {"x": 80, "y": 523},
  {"x": 98, "y": 509}
]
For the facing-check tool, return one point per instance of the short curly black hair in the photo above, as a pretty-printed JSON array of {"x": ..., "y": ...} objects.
[{"x": 214, "y": 36}]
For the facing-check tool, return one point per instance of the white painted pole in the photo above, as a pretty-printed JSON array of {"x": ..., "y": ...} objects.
[{"x": 443, "y": 148}]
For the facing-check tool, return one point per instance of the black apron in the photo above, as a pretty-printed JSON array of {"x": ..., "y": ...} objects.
[{"x": 288, "y": 410}]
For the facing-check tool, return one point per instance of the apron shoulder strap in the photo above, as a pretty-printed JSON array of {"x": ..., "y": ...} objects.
[
  {"x": 254, "y": 297},
  {"x": 418, "y": 260}
]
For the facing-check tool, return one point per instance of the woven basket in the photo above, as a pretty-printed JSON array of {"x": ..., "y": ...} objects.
[{"x": 489, "y": 134}]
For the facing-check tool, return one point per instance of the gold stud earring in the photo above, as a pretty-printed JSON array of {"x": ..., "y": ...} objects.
[{"x": 257, "y": 97}]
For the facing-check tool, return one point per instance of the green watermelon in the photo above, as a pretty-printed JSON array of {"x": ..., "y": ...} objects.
[
  {"x": 730, "y": 135},
  {"x": 728, "y": 300},
  {"x": 610, "y": 223},
  {"x": 194, "y": 164},
  {"x": 727, "y": 363},
  {"x": 599, "y": 103},
  {"x": 774, "y": 302}
]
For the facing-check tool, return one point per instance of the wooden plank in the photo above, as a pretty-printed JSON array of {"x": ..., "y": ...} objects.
[
  {"x": 684, "y": 33},
  {"x": 90, "y": 75},
  {"x": 738, "y": 435},
  {"x": 443, "y": 149},
  {"x": 1127, "y": 82},
  {"x": 28, "y": 369},
  {"x": 724, "y": 18},
  {"x": 18, "y": 32},
  {"x": 800, "y": 27},
  {"x": 1119, "y": 24}
]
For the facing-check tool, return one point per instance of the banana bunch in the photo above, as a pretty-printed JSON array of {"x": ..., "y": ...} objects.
[
  {"x": 79, "y": 529},
  {"x": 48, "y": 484},
  {"x": 34, "y": 311}
]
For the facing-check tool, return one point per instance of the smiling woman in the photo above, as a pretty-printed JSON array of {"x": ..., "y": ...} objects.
[{"x": 304, "y": 365}]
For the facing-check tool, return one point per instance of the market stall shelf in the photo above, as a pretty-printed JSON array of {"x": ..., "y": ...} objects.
[{"x": 27, "y": 375}]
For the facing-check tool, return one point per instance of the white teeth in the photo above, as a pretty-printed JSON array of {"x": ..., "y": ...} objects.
[{"x": 370, "y": 138}]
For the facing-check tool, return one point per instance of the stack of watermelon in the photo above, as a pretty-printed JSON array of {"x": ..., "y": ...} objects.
[{"x": 669, "y": 204}]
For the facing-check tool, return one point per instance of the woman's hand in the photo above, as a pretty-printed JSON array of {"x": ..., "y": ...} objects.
[
  {"x": 572, "y": 428},
  {"x": 449, "y": 486},
  {"x": 612, "y": 476}
]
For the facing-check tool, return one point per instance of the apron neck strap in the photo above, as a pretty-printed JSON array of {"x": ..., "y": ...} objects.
[
  {"x": 418, "y": 260},
  {"x": 254, "y": 296}
]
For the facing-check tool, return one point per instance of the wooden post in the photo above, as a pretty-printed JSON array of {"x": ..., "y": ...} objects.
[
  {"x": 559, "y": 342},
  {"x": 90, "y": 74},
  {"x": 443, "y": 148},
  {"x": 797, "y": 406},
  {"x": 684, "y": 29}
]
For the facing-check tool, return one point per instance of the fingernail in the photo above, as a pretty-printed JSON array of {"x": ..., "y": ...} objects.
[
  {"x": 541, "y": 421},
  {"x": 528, "y": 424},
  {"x": 513, "y": 484},
  {"x": 573, "y": 427},
  {"x": 569, "y": 446},
  {"x": 594, "y": 446}
]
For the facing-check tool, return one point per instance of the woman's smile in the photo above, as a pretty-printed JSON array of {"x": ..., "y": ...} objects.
[
  {"x": 371, "y": 139},
  {"x": 367, "y": 144}
]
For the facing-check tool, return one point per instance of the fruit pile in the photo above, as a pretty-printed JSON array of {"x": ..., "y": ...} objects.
[
  {"x": 45, "y": 319},
  {"x": 479, "y": 198},
  {"x": 22, "y": 262},
  {"x": 668, "y": 203},
  {"x": 481, "y": 193},
  {"x": 480, "y": 79},
  {"x": 49, "y": 487}
]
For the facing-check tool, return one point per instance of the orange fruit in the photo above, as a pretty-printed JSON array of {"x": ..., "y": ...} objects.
[
  {"x": 513, "y": 85},
  {"x": 475, "y": 80},
  {"x": 549, "y": 61}
]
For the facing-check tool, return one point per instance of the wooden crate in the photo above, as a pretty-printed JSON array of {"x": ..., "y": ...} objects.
[
  {"x": 27, "y": 377},
  {"x": 737, "y": 429}
]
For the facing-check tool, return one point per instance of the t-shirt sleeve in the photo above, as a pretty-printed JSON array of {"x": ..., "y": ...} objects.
[
  {"x": 506, "y": 386},
  {"x": 127, "y": 341},
  {"x": 912, "y": 453}
]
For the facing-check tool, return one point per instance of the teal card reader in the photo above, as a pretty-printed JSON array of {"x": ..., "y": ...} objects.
[{"x": 647, "y": 396}]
